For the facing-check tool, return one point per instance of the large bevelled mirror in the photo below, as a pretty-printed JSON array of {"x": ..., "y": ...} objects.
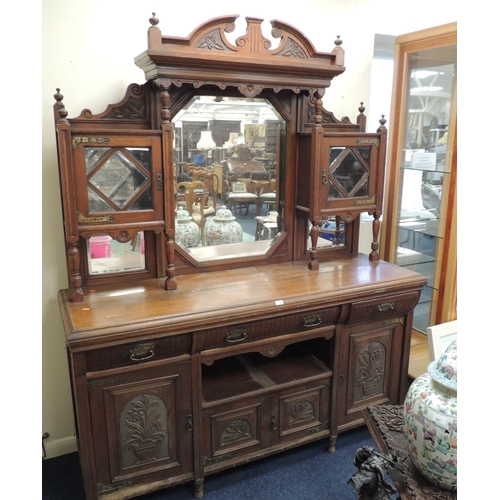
[{"x": 228, "y": 152}]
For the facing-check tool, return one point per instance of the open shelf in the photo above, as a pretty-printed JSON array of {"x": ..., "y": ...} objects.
[{"x": 252, "y": 373}]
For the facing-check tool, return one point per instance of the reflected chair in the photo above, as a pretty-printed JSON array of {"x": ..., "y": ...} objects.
[
  {"x": 211, "y": 181},
  {"x": 265, "y": 188},
  {"x": 192, "y": 195},
  {"x": 239, "y": 195},
  {"x": 267, "y": 196}
]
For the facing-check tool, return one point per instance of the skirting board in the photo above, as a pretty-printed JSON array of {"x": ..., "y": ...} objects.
[{"x": 57, "y": 447}]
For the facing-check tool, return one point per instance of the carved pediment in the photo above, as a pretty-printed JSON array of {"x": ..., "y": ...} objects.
[{"x": 250, "y": 64}]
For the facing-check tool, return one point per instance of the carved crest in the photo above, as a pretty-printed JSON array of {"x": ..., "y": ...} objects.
[{"x": 250, "y": 64}]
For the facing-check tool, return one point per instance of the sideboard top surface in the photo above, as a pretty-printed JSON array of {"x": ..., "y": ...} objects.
[{"x": 214, "y": 299}]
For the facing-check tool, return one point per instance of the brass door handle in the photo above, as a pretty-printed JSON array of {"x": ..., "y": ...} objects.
[
  {"x": 324, "y": 178},
  {"x": 189, "y": 422},
  {"x": 274, "y": 424}
]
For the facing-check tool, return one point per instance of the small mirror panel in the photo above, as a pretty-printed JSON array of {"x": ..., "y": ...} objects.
[
  {"x": 105, "y": 255},
  {"x": 331, "y": 233}
]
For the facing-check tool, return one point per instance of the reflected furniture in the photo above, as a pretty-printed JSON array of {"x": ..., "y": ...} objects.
[
  {"x": 210, "y": 357},
  {"x": 420, "y": 219},
  {"x": 265, "y": 228},
  {"x": 191, "y": 195},
  {"x": 440, "y": 337},
  {"x": 239, "y": 194},
  {"x": 211, "y": 181}
]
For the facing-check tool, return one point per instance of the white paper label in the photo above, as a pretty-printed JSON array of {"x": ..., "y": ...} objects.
[{"x": 426, "y": 161}]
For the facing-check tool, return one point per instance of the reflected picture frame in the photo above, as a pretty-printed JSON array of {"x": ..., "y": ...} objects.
[
  {"x": 239, "y": 187},
  {"x": 440, "y": 337}
]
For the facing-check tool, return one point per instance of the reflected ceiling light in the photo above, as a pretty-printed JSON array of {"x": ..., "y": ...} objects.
[
  {"x": 423, "y": 73},
  {"x": 426, "y": 89}
]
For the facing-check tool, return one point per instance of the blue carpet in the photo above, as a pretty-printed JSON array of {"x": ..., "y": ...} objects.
[{"x": 308, "y": 472}]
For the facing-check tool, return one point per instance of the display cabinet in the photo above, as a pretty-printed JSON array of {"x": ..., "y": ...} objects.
[
  {"x": 349, "y": 180},
  {"x": 204, "y": 357},
  {"x": 420, "y": 210}
]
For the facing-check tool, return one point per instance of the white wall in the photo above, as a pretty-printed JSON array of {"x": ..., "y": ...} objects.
[{"x": 88, "y": 50}]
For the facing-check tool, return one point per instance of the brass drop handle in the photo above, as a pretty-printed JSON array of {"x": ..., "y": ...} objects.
[
  {"x": 311, "y": 321},
  {"x": 189, "y": 422},
  {"x": 274, "y": 424},
  {"x": 235, "y": 336},
  {"x": 142, "y": 352}
]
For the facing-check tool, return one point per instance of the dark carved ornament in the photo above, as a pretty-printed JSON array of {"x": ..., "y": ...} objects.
[
  {"x": 237, "y": 430},
  {"x": 388, "y": 419},
  {"x": 301, "y": 411},
  {"x": 134, "y": 107},
  {"x": 371, "y": 367},
  {"x": 145, "y": 424}
]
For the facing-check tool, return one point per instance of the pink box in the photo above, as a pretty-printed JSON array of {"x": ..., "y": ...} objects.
[{"x": 100, "y": 247}]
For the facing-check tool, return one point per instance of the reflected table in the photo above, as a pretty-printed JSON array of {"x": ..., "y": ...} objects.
[
  {"x": 385, "y": 423},
  {"x": 266, "y": 228}
]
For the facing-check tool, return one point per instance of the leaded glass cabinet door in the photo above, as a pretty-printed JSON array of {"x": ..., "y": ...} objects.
[
  {"x": 420, "y": 211},
  {"x": 349, "y": 174},
  {"x": 118, "y": 179}
]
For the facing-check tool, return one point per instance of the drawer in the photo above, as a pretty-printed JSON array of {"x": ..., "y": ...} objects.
[
  {"x": 138, "y": 352},
  {"x": 384, "y": 306},
  {"x": 267, "y": 328}
]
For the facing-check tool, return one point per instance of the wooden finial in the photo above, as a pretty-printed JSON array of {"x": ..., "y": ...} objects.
[
  {"x": 382, "y": 122},
  {"x": 58, "y": 96},
  {"x": 361, "y": 109},
  {"x": 338, "y": 42},
  {"x": 59, "y": 106},
  {"x": 154, "y": 20}
]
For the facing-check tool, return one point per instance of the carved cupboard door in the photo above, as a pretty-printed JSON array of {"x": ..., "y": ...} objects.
[
  {"x": 369, "y": 366},
  {"x": 141, "y": 426}
]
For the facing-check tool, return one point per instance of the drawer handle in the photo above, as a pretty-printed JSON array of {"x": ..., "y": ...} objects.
[
  {"x": 142, "y": 352},
  {"x": 388, "y": 306},
  {"x": 235, "y": 336},
  {"x": 310, "y": 321}
]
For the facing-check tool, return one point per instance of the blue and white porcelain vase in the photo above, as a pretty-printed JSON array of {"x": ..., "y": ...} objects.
[
  {"x": 430, "y": 421},
  {"x": 187, "y": 232},
  {"x": 223, "y": 229}
]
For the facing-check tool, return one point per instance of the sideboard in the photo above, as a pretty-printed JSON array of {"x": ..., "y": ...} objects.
[{"x": 231, "y": 367}]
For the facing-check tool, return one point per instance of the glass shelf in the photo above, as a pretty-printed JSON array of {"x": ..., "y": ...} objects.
[
  {"x": 439, "y": 169},
  {"x": 428, "y": 227}
]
